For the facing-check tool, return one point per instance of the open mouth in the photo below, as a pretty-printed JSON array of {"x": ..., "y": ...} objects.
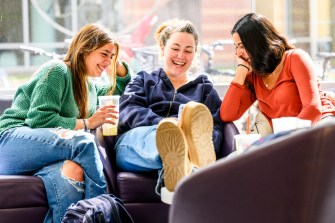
[
  {"x": 178, "y": 63},
  {"x": 101, "y": 68}
]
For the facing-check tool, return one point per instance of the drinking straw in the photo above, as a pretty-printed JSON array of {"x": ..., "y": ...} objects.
[{"x": 248, "y": 124}]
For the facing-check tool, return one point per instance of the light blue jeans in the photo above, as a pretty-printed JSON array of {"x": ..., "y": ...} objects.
[
  {"x": 42, "y": 152},
  {"x": 136, "y": 150}
]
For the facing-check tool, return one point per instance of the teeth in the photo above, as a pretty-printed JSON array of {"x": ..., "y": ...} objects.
[
  {"x": 101, "y": 67},
  {"x": 179, "y": 63}
]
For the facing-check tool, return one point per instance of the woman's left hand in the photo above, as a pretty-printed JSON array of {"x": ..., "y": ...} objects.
[
  {"x": 243, "y": 68},
  {"x": 244, "y": 61},
  {"x": 331, "y": 96},
  {"x": 121, "y": 70}
]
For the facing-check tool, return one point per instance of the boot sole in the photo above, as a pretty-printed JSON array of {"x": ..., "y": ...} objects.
[
  {"x": 197, "y": 123},
  {"x": 172, "y": 148}
]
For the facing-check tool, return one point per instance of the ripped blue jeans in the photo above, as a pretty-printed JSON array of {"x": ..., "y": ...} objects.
[{"x": 42, "y": 152}]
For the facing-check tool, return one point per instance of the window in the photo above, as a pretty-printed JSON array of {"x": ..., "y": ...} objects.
[{"x": 47, "y": 27}]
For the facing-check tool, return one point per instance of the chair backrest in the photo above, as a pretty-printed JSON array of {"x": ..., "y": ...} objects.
[
  {"x": 5, "y": 102},
  {"x": 229, "y": 129},
  {"x": 289, "y": 179}
]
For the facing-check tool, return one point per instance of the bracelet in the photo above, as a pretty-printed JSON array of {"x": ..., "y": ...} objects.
[
  {"x": 85, "y": 125},
  {"x": 243, "y": 66}
]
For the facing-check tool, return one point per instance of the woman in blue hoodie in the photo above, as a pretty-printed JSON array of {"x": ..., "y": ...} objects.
[{"x": 150, "y": 135}]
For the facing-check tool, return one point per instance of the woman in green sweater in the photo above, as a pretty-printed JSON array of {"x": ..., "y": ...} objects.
[{"x": 38, "y": 134}]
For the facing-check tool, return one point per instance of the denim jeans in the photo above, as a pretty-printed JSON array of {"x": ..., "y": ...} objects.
[
  {"x": 136, "y": 150},
  {"x": 42, "y": 152}
]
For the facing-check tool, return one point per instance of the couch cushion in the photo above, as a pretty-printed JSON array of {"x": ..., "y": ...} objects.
[
  {"x": 22, "y": 199},
  {"x": 137, "y": 187},
  {"x": 21, "y": 192}
]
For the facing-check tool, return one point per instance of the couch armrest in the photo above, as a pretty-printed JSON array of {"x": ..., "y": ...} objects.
[
  {"x": 229, "y": 129},
  {"x": 106, "y": 149},
  {"x": 5, "y": 102}
]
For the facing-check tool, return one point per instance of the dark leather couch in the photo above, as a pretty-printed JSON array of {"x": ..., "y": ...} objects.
[
  {"x": 290, "y": 179},
  {"x": 23, "y": 199}
]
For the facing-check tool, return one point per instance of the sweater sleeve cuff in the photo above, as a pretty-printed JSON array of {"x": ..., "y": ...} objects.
[
  {"x": 67, "y": 123},
  {"x": 237, "y": 85},
  {"x": 128, "y": 76}
]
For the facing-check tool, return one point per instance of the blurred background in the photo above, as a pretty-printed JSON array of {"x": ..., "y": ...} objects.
[{"x": 34, "y": 31}]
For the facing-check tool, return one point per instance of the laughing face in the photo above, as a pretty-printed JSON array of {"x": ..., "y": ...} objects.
[
  {"x": 178, "y": 53},
  {"x": 239, "y": 48},
  {"x": 99, "y": 59}
]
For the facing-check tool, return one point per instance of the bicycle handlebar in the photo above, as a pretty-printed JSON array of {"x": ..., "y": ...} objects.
[
  {"x": 222, "y": 42},
  {"x": 326, "y": 55},
  {"x": 216, "y": 45},
  {"x": 38, "y": 51}
]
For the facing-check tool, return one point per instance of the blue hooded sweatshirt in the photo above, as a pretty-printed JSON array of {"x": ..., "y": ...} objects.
[{"x": 149, "y": 98}]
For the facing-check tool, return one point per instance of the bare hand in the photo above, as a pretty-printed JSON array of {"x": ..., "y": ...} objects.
[
  {"x": 244, "y": 61},
  {"x": 105, "y": 114},
  {"x": 331, "y": 96},
  {"x": 242, "y": 70}
]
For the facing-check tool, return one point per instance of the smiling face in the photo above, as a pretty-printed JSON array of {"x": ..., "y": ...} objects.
[
  {"x": 178, "y": 53},
  {"x": 239, "y": 48},
  {"x": 100, "y": 59}
]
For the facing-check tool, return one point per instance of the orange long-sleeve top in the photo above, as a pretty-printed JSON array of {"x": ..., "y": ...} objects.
[{"x": 296, "y": 93}]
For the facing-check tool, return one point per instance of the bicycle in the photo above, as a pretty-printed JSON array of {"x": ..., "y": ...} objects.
[
  {"x": 41, "y": 52},
  {"x": 38, "y": 51},
  {"x": 326, "y": 62},
  {"x": 209, "y": 50},
  {"x": 146, "y": 58},
  {"x": 4, "y": 82}
]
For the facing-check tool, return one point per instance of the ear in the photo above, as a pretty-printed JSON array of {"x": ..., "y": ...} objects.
[{"x": 162, "y": 49}]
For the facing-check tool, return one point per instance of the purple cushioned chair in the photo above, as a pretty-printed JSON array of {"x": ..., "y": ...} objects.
[{"x": 290, "y": 179}]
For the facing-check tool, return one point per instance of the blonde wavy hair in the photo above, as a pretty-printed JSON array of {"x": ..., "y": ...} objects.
[
  {"x": 166, "y": 29},
  {"x": 89, "y": 38}
]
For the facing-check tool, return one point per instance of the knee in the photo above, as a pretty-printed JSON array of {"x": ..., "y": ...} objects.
[{"x": 73, "y": 170}]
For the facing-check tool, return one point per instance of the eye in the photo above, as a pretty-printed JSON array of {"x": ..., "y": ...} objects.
[
  {"x": 104, "y": 54},
  {"x": 239, "y": 47}
]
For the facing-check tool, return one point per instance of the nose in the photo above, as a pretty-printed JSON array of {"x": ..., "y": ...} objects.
[
  {"x": 108, "y": 62},
  {"x": 181, "y": 54},
  {"x": 239, "y": 52}
]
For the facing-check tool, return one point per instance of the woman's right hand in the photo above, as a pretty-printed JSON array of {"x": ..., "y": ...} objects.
[
  {"x": 105, "y": 114},
  {"x": 242, "y": 69}
]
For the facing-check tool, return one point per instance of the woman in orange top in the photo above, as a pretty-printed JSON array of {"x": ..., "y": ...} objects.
[{"x": 270, "y": 70}]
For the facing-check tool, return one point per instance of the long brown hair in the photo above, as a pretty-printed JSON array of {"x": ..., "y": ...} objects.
[{"x": 89, "y": 38}]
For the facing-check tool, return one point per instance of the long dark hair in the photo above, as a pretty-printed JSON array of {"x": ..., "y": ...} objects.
[{"x": 263, "y": 43}]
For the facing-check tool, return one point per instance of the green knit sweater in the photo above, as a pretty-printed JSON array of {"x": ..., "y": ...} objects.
[{"x": 47, "y": 100}]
